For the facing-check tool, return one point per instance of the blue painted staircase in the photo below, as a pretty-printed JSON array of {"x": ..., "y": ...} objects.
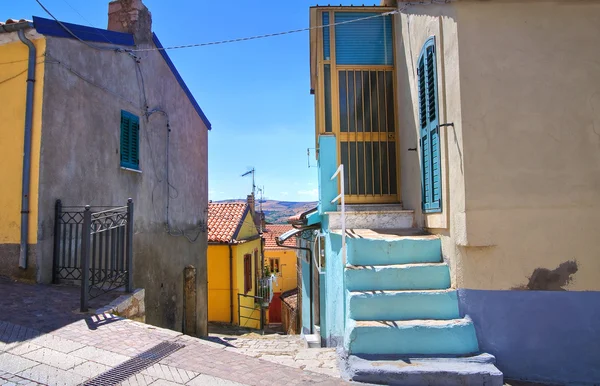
[{"x": 399, "y": 302}]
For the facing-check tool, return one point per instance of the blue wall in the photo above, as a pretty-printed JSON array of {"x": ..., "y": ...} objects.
[
  {"x": 544, "y": 336},
  {"x": 306, "y": 305},
  {"x": 335, "y": 291},
  {"x": 327, "y": 165}
]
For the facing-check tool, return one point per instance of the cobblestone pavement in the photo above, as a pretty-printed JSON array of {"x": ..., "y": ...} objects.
[
  {"x": 73, "y": 348},
  {"x": 289, "y": 350}
]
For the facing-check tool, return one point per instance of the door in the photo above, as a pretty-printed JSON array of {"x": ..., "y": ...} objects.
[
  {"x": 357, "y": 58},
  {"x": 275, "y": 309}
]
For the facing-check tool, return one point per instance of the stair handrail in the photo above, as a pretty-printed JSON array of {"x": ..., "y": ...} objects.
[{"x": 340, "y": 197}]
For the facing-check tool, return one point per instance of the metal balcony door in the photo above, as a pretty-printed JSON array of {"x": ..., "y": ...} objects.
[{"x": 367, "y": 133}]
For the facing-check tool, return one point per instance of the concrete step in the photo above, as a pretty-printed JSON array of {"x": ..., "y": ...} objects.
[
  {"x": 390, "y": 249},
  {"x": 411, "y": 337},
  {"x": 419, "y": 276},
  {"x": 373, "y": 219},
  {"x": 424, "y": 371},
  {"x": 312, "y": 340},
  {"x": 403, "y": 305}
]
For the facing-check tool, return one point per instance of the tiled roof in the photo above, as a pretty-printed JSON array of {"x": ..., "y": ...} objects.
[
  {"x": 224, "y": 220},
  {"x": 15, "y": 21},
  {"x": 275, "y": 230}
]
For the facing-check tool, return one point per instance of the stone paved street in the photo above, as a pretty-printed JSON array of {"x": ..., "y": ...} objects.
[
  {"x": 289, "y": 350},
  {"x": 71, "y": 348}
]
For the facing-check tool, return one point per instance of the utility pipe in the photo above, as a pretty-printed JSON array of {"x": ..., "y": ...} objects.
[
  {"x": 27, "y": 150},
  {"x": 230, "y": 284}
]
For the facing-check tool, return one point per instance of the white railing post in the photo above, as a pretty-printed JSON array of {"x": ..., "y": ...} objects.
[{"x": 340, "y": 197}]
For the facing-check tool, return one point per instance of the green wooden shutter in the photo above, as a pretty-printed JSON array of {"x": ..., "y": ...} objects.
[
  {"x": 130, "y": 140},
  {"x": 431, "y": 181}
]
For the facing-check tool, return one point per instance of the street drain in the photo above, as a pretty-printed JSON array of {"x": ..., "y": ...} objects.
[{"x": 135, "y": 365}]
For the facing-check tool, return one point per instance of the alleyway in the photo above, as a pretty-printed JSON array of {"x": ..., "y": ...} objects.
[{"x": 45, "y": 341}]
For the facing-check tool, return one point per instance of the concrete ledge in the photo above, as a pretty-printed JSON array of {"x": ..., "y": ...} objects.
[
  {"x": 131, "y": 306},
  {"x": 472, "y": 370}
]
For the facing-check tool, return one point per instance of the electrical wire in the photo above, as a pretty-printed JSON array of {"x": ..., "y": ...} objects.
[
  {"x": 116, "y": 49},
  {"x": 265, "y": 35},
  {"x": 17, "y": 75},
  {"x": 86, "y": 79}
]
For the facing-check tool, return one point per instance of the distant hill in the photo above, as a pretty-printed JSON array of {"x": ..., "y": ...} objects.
[{"x": 277, "y": 212}]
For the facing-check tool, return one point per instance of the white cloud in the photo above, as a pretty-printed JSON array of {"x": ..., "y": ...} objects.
[{"x": 312, "y": 194}]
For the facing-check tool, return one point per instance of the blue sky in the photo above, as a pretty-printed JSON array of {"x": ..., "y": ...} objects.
[{"x": 255, "y": 93}]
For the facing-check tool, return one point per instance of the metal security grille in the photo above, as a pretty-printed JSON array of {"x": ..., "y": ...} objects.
[
  {"x": 367, "y": 132},
  {"x": 135, "y": 365},
  {"x": 93, "y": 247}
]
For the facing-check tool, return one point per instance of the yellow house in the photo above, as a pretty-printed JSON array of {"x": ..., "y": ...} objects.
[
  {"x": 234, "y": 249},
  {"x": 281, "y": 262}
]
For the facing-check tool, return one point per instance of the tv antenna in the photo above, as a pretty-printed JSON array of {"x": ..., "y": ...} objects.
[{"x": 253, "y": 185}]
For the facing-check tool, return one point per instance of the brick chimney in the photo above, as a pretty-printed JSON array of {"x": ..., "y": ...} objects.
[
  {"x": 131, "y": 16},
  {"x": 251, "y": 204}
]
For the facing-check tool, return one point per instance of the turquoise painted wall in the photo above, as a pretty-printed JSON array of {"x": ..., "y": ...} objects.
[
  {"x": 335, "y": 291},
  {"x": 323, "y": 304},
  {"x": 327, "y": 164},
  {"x": 306, "y": 305}
]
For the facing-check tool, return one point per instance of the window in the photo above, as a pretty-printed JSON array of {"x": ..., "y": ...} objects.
[
  {"x": 130, "y": 140},
  {"x": 274, "y": 264},
  {"x": 247, "y": 273},
  {"x": 431, "y": 178}
]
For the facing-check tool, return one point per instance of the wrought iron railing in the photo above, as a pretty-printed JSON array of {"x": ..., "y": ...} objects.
[
  {"x": 93, "y": 246},
  {"x": 252, "y": 310}
]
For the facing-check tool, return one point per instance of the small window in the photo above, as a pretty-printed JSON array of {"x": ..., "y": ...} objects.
[
  {"x": 247, "y": 273},
  {"x": 274, "y": 264},
  {"x": 130, "y": 140}
]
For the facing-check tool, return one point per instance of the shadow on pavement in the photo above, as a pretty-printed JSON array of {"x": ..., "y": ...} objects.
[{"x": 45, "y": 308}]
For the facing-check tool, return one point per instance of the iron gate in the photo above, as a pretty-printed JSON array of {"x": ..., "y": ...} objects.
[{"x": 93, "y": 246}]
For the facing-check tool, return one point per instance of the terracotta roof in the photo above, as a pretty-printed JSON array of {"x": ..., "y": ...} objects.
[
  {"x": 224, "y": 220},
  {"x": 275, "y": 230}
]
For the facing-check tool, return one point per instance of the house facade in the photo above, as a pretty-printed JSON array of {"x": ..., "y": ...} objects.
[
  {"x": 279, "y": 261},
  {"x": 107, "y": 124},
  {"x": 468, "y": 137},
  {"x": 234, "y": 266}
]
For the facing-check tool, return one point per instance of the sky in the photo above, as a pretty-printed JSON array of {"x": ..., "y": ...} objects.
[{"x": 255, "y": 93}]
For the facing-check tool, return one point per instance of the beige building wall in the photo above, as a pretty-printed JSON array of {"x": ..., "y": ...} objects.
[{"x": 521, "y": 167}]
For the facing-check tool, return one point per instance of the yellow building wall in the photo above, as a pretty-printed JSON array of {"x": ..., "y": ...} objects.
[
  {"x": 13, "y": 88},
  {"x": 218, "y": 283},
  {"x": 248, "y": 228},
  {"x": 287, "y": 278},
  {"x": 239, "y": 251}
]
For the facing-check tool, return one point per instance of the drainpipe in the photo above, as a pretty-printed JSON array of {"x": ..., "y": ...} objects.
[
  {"x": 27, "y": 150},
  {"x": 230, "y": 284}
]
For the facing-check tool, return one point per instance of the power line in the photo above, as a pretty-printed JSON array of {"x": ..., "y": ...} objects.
[
  {"x": 118, "y": 49},
  {"x": 266, "y": 35}
]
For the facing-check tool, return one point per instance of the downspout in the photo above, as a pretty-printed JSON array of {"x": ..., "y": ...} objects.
[
  {"x": 27, "y": 150},
  {"x": 230, "y": 284}
]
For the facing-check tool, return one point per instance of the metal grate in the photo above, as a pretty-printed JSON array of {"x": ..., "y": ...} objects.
[{"x": 135, "y": 365}]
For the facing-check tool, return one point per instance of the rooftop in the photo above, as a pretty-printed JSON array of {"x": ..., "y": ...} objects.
[
  {"x": 272, "y": 232},
  {"x": 224, "y": 221}
]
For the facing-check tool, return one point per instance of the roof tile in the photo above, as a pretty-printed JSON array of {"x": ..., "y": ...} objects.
[
  {"x": 275, "y": 230},
  {"x": 223, "y": 221}
]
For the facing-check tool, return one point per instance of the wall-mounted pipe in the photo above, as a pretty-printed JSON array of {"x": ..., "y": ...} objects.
[
  {"x": 230, "y": 284},
  {"x": 27, "y": 150}
]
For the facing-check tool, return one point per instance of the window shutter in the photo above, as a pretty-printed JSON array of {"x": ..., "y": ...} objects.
[
  {"x": 429, "y": 129},
  {"x": 364, "y": 42},
  {"x": 130, "y": 142}
]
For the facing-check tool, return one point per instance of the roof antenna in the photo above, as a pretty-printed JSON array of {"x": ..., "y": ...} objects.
[{"x": 253, "y": 185}]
